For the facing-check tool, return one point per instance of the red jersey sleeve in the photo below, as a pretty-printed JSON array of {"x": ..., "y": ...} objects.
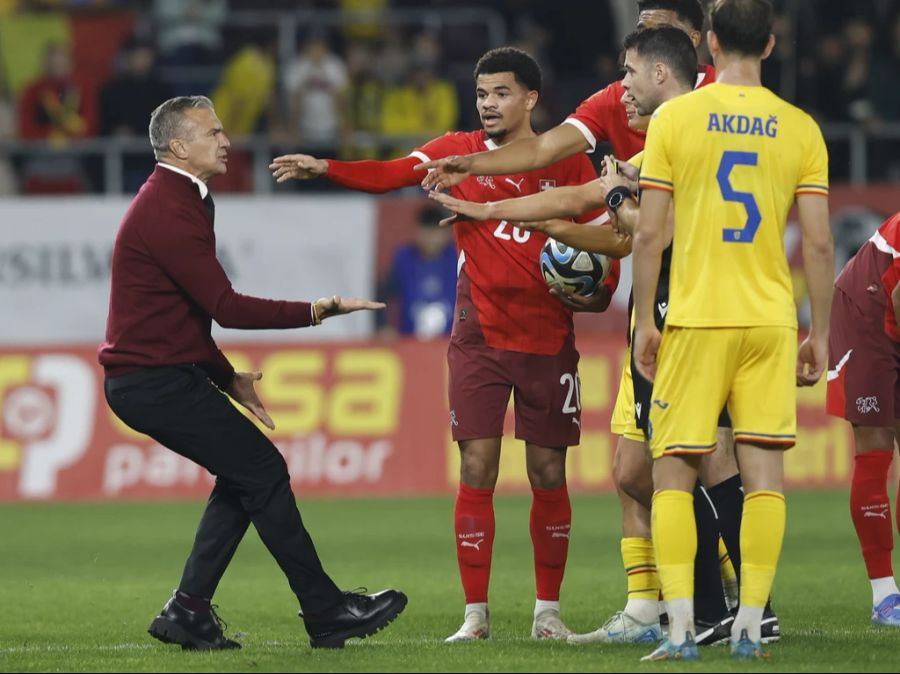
[
  {"x": 595, "y": 114},
  {"x": 452, "y": 142}
]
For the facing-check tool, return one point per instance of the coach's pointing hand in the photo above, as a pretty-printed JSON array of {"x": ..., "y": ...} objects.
[
  {"x": 242, "y": 391},
  {"x": 326, "y": 307}
]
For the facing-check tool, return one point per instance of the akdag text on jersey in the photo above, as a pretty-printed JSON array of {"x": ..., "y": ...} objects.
[{"x": 743, "y": 124}]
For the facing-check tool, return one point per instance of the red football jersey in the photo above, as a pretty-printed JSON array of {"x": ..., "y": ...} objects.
[
  {"x": 871, "y": 275},
  {"x": 515, "y": 308},
  {"x": 602, "y": 117}
]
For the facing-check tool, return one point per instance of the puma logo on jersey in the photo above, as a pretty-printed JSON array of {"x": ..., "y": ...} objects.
[
  {"x": 517, "y": 185},
  {"x": 559, "y": 534},
  {"x": 871, "y": 513},
  {"x": 663, "y": 308},
  {"x": 576, "y": 422},
  {"x": 470, "y": 544}
]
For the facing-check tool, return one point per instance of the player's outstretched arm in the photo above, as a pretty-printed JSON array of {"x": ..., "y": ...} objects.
[
  {"x": 366, "y": 176},
  {"x": 590, "y": 237},
  {"x": 560, "y": 202},
  {"x": 520, "y": 156},
  {"x": 649, "y": 241},
  {"x": 297, "y": 167},
  {"x": 818, "y": 268}
]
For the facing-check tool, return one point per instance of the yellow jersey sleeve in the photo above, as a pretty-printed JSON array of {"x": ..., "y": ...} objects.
[
  {"x": 657, "y": 170},
  {"x": 814, "y": 176},
  {"x": 637, "y": 160}
]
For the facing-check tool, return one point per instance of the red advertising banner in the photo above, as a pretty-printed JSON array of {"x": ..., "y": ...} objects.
[{"x": 351, "y": 419}]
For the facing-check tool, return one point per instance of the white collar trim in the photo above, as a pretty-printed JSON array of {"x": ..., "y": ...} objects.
[{"x": 204, "y": 190}]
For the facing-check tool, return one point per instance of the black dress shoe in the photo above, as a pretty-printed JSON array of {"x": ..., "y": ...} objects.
[
  {"x": 192, "y": 630},
  {"x": 717, "y": 633},
  {"x": 357, "y": 615}
]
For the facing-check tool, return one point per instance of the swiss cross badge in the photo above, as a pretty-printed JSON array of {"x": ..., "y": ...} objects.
[{"x": 546, "y": 184}]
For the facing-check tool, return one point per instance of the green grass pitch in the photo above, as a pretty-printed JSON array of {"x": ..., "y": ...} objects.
[{"x": 79, "y": 584}]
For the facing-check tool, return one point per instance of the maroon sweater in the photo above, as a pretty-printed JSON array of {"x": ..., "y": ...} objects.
[{"x": 168, "y": 286}]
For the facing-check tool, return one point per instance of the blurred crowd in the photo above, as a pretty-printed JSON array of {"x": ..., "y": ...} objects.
[{"x": 371, "y": 79}]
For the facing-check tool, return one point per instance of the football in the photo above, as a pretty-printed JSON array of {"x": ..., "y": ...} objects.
[{"x": 572, "y": 270}]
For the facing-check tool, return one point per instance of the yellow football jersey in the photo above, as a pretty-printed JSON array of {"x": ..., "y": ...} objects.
[{"x": 734, "y": 158}]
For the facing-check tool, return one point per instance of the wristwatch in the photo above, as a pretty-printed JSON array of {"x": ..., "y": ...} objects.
[{"x": 616, "y": 196}]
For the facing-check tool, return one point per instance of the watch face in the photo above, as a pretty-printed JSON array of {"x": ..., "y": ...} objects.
[{"x": 615, "y": 200}]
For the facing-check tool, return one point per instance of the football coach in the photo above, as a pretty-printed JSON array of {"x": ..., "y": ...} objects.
[{"x": 166, "y": 378}]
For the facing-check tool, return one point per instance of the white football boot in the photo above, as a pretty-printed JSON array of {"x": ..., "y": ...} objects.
[
  {"x": 548, "y": 625},
  {"x": 621, "y": 628},
  {"x": 476, "y": 626}
]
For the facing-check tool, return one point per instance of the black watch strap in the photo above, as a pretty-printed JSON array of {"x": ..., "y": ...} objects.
[{"x": 616, "y": 196}]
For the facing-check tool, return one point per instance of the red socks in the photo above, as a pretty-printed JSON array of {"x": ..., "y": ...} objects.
[
  {"x": 474, "y": 522},
  {"x": 551, "y": 520},
  {"x": 870, "y": 508}
]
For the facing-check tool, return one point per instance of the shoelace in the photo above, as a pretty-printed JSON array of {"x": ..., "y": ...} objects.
[
  {"x": 221, "y": 623},
  {"x": 358, "y": 595}
]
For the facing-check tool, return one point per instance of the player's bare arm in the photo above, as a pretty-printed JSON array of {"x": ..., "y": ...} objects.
[
  {"x": 818, "y": 268},
  {"x": 590, "y": 237},
  {"x": 526, "y": 154},
  {"x": 560, "y": 202},
  {"x": 649, "y": 242},
  {"x": 297, "y": 167}
]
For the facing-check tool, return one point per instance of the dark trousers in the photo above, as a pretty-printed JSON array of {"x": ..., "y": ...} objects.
[{"x": 181, "y": 409}]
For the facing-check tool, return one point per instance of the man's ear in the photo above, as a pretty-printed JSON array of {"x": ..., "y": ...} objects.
[{"x": 177, "y": 148}]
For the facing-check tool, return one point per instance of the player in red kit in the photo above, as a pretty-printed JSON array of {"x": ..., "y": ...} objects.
[
  {"x": 864, "y": 389},
  {"x": 602, "y": 117},
  {"x": 509, "y": 335}
]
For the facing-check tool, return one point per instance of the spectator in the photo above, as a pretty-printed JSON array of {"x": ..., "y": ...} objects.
[
  {"x": 55, "y": 108},
  {"x": 190, "y": 31},
  {"x": 128, "y": 98},
  {"x": 859, "y": 36},
  {"x": 126, "y": 103},
  {"x": 363, "y": 101},
  {"x": 425, "y": 105},
  {"x": 244, "y": 97},
  {"x": 315, "y": 84},
  {"x": 422, "y": 281}
]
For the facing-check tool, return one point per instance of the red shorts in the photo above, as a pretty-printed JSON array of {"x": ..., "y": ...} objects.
[
  {"x": 863, "y": 367},
  {"x": 547, "y": 391}
]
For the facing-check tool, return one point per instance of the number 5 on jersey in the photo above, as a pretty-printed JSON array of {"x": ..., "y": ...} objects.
[{"x": 730, "y": 159}]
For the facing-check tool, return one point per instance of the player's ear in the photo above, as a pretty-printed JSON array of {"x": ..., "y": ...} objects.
[
  {"x": 531, "y": 100},
  {"x": 769, "y": 47},
  {"x": 696, "y": 37},
  {"x": 712, "y": 42},
  {"x": 661, "y": 71}
]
